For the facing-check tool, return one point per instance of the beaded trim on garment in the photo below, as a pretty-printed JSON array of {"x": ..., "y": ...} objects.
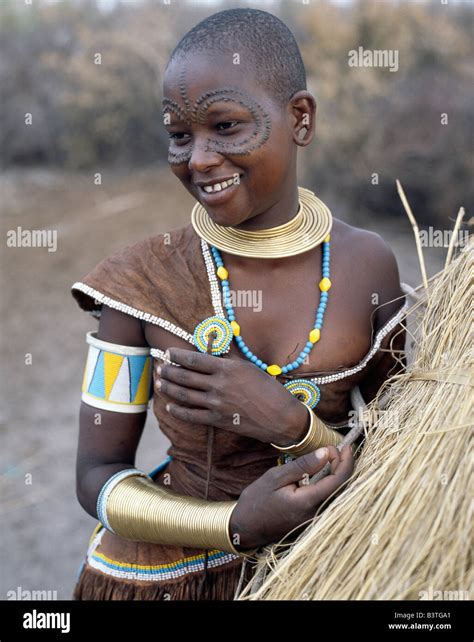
[
  {"x": 381, "y": 334},
  {"x": 128, "y": 309},
  {"x": 155, "y": 572}
]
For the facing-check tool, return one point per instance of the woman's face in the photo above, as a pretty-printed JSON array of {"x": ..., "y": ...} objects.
[{"x": 231, "y": 144}]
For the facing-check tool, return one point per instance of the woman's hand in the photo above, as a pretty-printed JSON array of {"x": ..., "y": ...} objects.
[
  {"x": 232, "y": 394},
  {"x": 275, "y": 503}
]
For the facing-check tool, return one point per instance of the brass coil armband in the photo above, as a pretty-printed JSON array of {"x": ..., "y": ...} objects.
[{"x": 140, "y": 510}]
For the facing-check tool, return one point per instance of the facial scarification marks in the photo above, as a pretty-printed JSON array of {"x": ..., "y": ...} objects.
[
  {"x": 197, "y": 113},
  {"x": 183, "y": 93}
]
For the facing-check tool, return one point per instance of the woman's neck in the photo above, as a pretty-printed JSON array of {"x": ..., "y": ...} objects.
[{"x": 278, "y": 214}]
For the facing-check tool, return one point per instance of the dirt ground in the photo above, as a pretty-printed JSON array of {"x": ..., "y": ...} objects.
[{"x": 45, "y": 531}]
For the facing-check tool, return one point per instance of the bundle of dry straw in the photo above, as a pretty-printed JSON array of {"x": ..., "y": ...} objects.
[{"x": 401, "y": 529}]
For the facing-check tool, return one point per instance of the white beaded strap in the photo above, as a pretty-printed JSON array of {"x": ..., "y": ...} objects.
[
  {"x": 381, "y": 334},
  {"x": 127, "y": 309},
  {"x": 160, "y": 354},
  {"x": 213, "y": 281},
  {"x": 108, "y": 487}
]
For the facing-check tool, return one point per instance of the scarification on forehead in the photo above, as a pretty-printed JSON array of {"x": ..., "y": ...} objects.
[
  {"x": 183, "y": 93},
  {"x": 197, "y": 112}
]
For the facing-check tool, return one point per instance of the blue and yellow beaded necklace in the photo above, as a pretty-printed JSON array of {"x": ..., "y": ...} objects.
[{"x": 228, "y": 329}]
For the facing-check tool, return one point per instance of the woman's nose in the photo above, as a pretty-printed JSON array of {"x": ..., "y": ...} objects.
[{"x": 202, "y": 158}]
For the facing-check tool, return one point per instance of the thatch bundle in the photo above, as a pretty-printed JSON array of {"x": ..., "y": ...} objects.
[{"x": 401, "y": 529}]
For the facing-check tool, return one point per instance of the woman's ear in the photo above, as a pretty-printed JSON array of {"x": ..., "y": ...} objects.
[{"x": 302, "y": 106}]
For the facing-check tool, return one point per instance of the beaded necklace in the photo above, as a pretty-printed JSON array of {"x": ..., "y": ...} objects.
[{"x": 228, "y": 329}]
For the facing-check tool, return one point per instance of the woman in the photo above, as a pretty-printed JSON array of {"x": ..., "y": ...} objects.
[{"x": 182, "y": 532}]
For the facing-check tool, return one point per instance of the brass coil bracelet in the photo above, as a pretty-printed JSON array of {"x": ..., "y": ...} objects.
[{"x": 318, "y": 435}]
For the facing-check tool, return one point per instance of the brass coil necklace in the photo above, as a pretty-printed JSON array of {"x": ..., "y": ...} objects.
[{"x": 307, "y": 229}]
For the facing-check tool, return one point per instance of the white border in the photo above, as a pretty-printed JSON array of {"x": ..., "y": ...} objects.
[
  {"x": 125, "y": 351},
  {"x": 103, "y": 404}
]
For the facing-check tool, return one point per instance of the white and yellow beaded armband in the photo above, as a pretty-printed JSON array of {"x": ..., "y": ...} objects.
[{"x": 117, "y": 377}]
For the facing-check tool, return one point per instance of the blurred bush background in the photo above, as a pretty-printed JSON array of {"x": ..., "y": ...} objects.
[
  {"x": 89, "y": 119},
  {"x": 370, "y": 119}
]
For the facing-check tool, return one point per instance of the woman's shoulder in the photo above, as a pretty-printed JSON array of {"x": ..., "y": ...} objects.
[
  {"x": 362, "y": 246},
  {"x": 372, "y": 264},
  {"x": 355, "y": 239}
]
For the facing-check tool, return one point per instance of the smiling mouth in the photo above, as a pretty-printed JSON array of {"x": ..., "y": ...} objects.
[{"x": 217, "y": 187}]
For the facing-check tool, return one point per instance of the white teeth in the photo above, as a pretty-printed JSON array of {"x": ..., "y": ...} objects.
[{"x": 218, "y": 187}]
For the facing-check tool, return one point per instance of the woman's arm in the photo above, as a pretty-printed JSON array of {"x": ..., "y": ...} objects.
[
  {"x": 108, "y": 440},
  {"x": 386, "y": 284}
]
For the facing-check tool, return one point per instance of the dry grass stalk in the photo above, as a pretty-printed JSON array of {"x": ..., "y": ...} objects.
[
  {"x": 457, "y": 225},
  {"x": 416, "y": 231}
]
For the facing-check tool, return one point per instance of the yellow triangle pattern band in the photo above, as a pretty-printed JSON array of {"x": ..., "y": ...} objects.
[{"x": 114, "y": 381}]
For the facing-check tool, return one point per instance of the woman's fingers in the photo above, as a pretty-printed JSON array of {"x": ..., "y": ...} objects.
[
  {"x": 347, "y": 460},
  {"x": 194, "y": 415},
  {"x": 193, "y": 360},
  {"x": 335, "y": 462},
  {"x": 313, "y": 494},
  {"x": 183, "y": 376},
  {"x": 308, "y": 496},
  {"x": 185, "y": 396},
  {"x": 303, "y": 467}
]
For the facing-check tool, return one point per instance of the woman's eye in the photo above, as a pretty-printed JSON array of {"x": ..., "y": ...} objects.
[
  {"x": 178, "y": 136},
  {"x": 228, "y": 124}
]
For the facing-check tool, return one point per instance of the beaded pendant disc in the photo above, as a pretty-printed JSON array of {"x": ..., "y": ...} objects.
[
  {"x": 306, "y": 391},
  {"x": 222, "y": 341}
]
